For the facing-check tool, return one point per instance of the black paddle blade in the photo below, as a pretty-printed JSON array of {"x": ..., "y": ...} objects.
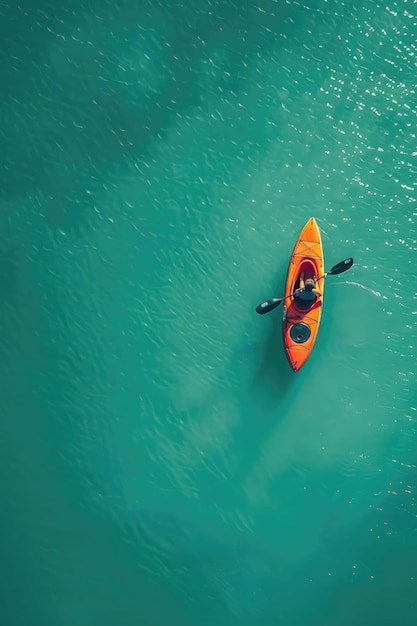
[
  {"x": 341, "y": 267},
  {"x": 268, "y": 305}
]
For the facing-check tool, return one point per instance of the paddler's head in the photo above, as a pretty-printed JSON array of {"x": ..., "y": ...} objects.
[{"x": 309, "y": 284}]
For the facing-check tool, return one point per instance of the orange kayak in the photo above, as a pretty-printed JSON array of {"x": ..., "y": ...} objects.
[{"x": 300, "y": 325}]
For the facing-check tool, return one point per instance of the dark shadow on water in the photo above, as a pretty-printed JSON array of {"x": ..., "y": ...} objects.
[
  {"x": 264, "y": 389},
  {"x": 10, "y": 313},
  {"x": 274, "y": 373},
  {"x": 265, "y": 381}
]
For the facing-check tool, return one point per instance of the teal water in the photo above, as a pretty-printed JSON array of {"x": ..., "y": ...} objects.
[{"x": 160, "y": 461}]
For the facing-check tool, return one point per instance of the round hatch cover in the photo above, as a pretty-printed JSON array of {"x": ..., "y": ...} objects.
[{"x": 300, "y": 332}]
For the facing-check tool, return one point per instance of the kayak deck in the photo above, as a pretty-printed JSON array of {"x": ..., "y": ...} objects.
[{"x": 301, "y": 321}]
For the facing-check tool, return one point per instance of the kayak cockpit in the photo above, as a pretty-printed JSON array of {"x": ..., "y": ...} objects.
[{"x": 310, "y": 272}]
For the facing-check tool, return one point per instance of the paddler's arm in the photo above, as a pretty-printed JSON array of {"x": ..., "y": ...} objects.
[{"x": 316, "y": 291}]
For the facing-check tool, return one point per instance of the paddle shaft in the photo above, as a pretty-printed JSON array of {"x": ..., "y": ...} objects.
[{"x": 269, "y": 305}]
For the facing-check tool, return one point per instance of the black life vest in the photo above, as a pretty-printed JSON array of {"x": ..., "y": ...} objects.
[{"x": 307, "y": 296}]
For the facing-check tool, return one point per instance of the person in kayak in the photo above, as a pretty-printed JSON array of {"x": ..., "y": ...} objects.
[{"x": 307, "y": 293}]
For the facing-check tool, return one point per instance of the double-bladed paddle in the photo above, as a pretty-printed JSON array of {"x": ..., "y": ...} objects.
[{"x": 272, "y": 303}]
